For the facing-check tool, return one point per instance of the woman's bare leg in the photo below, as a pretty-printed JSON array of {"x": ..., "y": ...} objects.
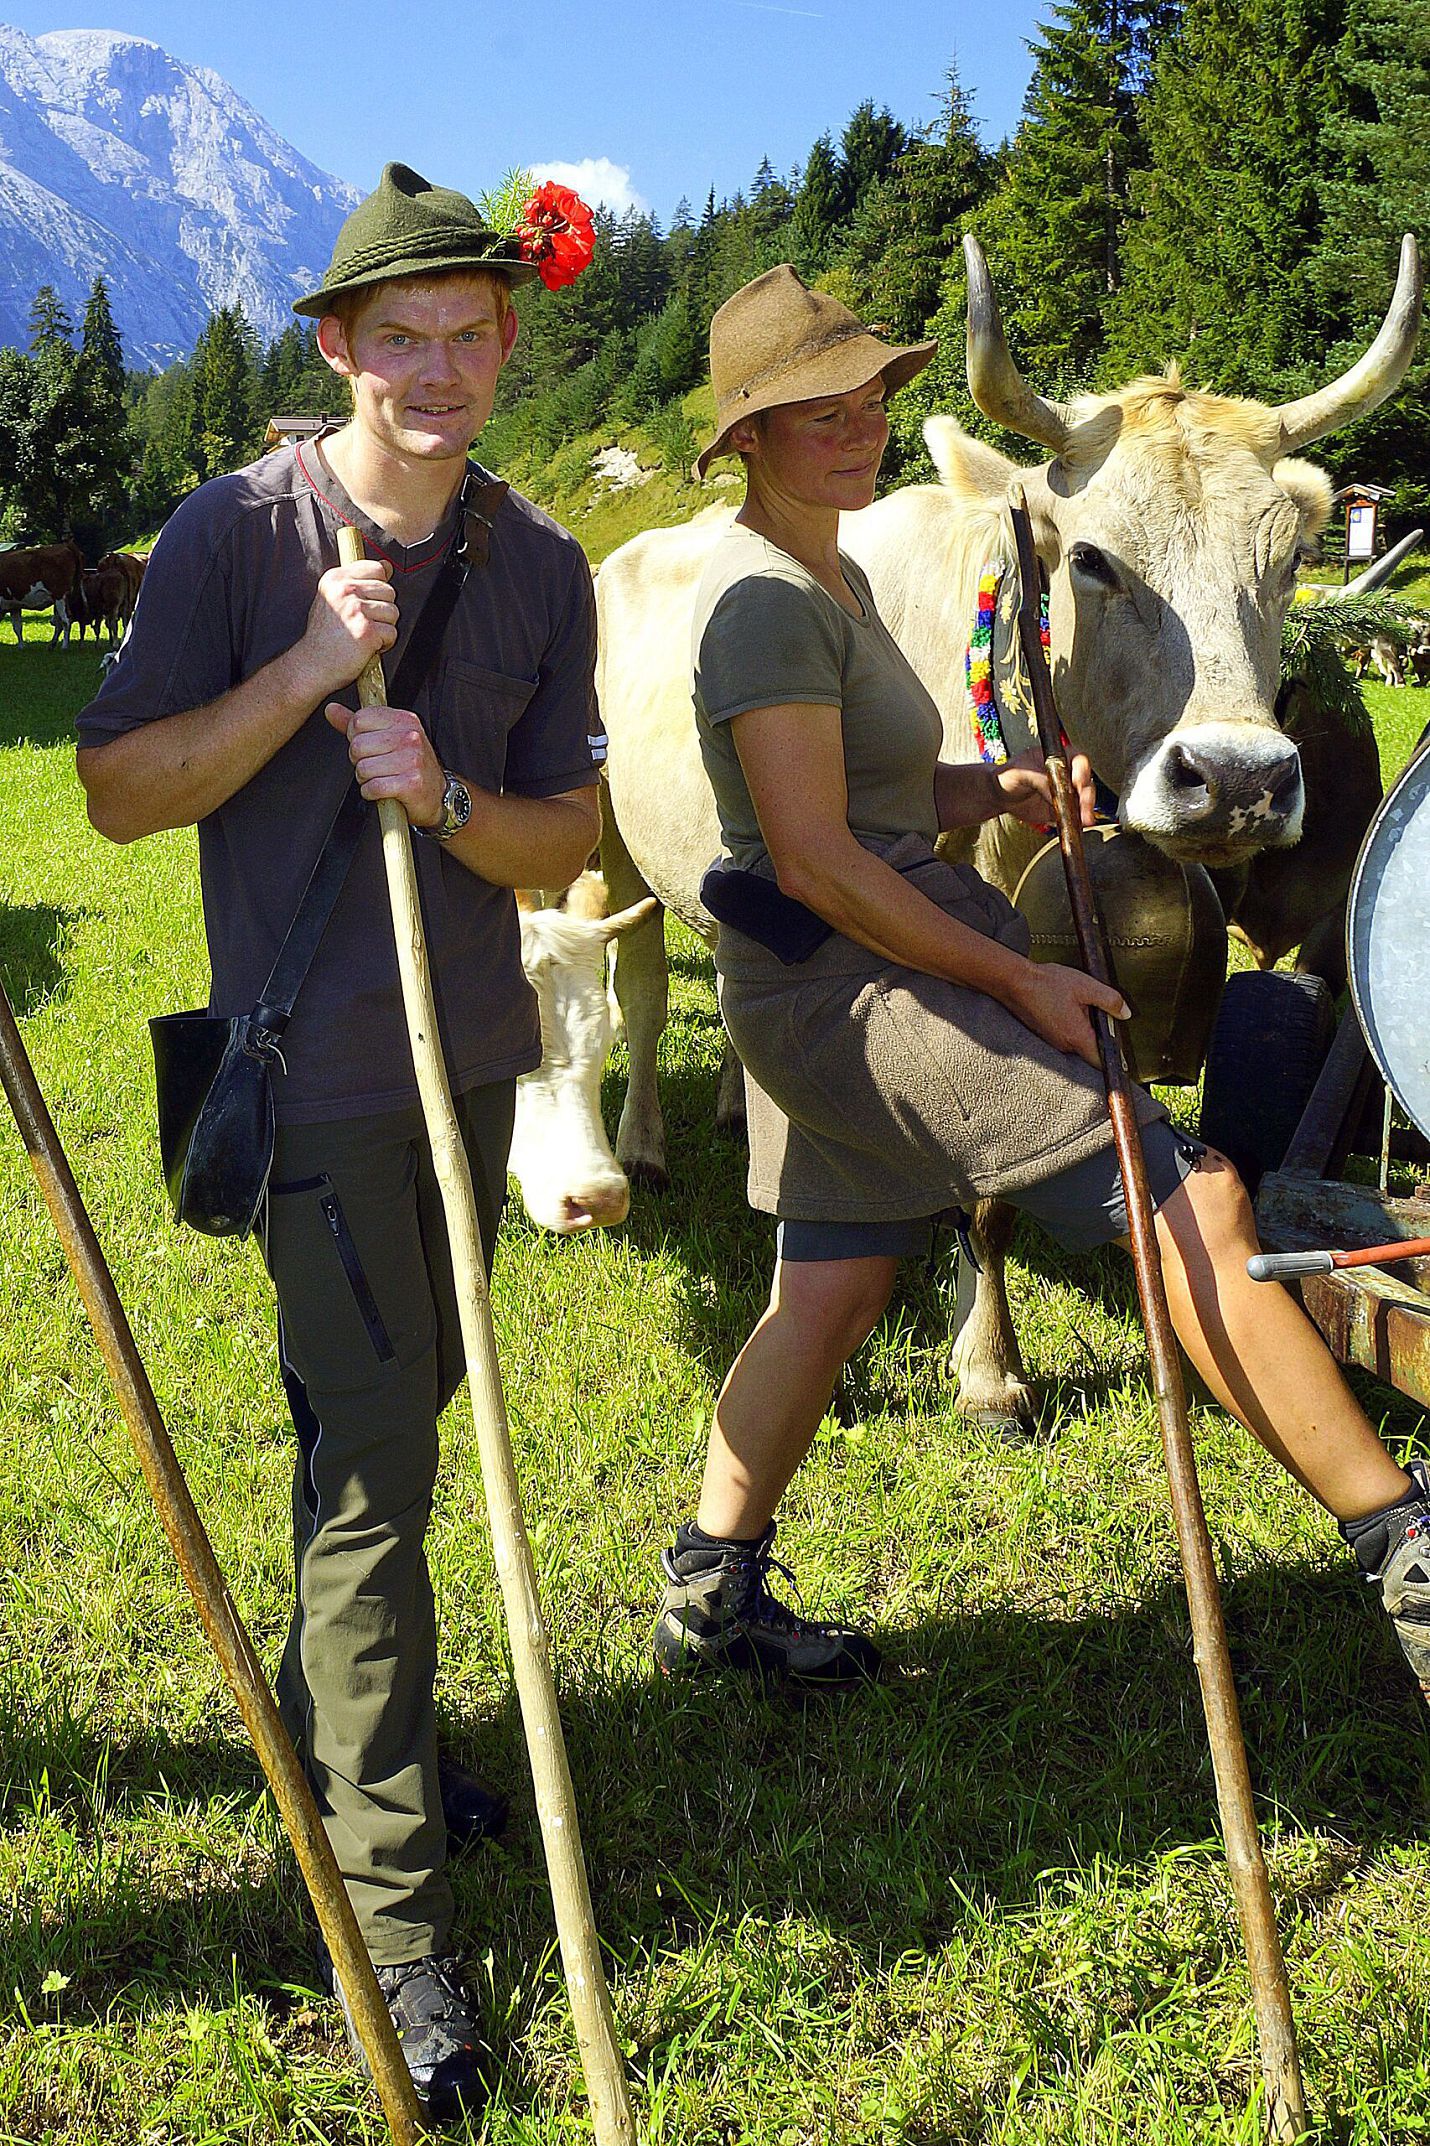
[
  {"x": 1260, "y": 1354},
  {"x": 778, "y": 1388}
]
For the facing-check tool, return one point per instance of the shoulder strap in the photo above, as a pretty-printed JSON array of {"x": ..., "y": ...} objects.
[{"x": 470, "y": 546}]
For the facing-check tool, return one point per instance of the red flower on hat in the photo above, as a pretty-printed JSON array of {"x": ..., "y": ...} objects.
[{"x": 555, "y": 232}]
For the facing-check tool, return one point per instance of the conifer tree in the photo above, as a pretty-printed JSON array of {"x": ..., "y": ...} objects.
[
  {"x": 101, "y": 350},
  {"x": 870, "y": 146},
  {"x": 770, "y": 210},
  {"x": 643, "y": 273},
  {"x": 906, "y": 237},
  {"x": 819, "y": 209},
  {"x": 42, "y": 438},
  {"x": 1056, "y": 228},
  {"x": 50, "y": 324},
  {"x": 100, "y": 471},
  {"x": 1376, "y": 187},
  {"x": 225, "y": 381},
  {"x": 1219, "y": 260},
  {"x": 678, "y": 242}
]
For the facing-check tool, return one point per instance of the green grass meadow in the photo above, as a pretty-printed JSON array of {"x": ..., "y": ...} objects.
[{"x": 983, "y": 1905}]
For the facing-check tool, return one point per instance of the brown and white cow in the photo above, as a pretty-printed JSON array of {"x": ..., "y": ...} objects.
[
  {"x": 1169, "y": 523},
  {"x": 100, "y": 600},
  {"x": 43, "y": 577},
  {"x": 131, "y": 565},
  {"x": 560, "y": 1156}
]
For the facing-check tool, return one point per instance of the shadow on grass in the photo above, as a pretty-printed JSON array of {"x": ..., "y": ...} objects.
[
  {"x": 727, "y": 1252},
  {"x": 1005, "y": 1744},
  {"x": 41, "y": 691},
  {"x": 31, "y": 935}
]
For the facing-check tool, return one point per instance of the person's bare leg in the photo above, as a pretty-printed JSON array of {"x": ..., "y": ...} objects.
[
  {"x": 1260, "y": 1354},
  {"x": 778, "y": 1388}
]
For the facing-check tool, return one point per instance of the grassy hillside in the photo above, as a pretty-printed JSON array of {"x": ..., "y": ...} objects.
[{"x": 655, "y": 490}]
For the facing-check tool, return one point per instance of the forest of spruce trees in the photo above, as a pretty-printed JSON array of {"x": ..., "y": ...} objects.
[{"x": 1224, "y": 182}]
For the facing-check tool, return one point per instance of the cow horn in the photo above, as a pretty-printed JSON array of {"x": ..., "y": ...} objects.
[
  {"x": 1375, "y": 576},
  {"x": 994, "y": 381},
  {"x": 1378, "y": 373}
]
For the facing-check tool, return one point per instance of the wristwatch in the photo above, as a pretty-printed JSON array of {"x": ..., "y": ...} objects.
[{"x": 456, "y": 809}]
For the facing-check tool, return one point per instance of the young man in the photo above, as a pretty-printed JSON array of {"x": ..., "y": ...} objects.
[{"x": 233, "y": 706}]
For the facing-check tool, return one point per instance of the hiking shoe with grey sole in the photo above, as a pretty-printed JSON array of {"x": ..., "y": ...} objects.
[
  {"x": 1404, "y": 1579},
  {"x": 719, "y": 1613},
  {"x": 444, "y": 2047}
]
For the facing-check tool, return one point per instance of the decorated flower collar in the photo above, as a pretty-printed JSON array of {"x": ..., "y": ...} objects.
[{"x": 981, "y": 662}]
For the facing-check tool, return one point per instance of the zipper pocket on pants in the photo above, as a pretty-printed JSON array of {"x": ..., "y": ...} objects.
[{"x": 361, "y": 1288}]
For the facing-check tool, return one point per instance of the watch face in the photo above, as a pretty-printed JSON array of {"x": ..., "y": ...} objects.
[{"x": 456, "y": 806}]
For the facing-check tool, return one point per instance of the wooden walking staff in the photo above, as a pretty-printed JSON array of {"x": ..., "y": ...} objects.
[
  {"x": 217, "y": 1612},
  {"x": 531, "y": 1664},
  {"x": 1270, "y": 1995}
]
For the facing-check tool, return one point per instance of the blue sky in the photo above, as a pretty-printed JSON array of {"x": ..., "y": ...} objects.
[{"x": 677, "y": 95}]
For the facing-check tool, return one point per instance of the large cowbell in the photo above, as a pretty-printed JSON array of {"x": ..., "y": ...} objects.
[{"x": 1166, "y": 938}]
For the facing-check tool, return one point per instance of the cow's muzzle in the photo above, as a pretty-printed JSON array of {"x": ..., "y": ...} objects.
[{"x": 1217, "y": 793}]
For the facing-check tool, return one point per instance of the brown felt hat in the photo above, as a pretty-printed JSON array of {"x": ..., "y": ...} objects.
[
  {"x": 412, "y": 228},
  {"x": 777, "y": 341}
]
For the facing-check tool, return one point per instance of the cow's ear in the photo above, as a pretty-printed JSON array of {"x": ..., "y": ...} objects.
[
  {"x": 627, "y": 919},
  {"x": 969, "y": 468},
  {"x": 1311, "y": 489}
]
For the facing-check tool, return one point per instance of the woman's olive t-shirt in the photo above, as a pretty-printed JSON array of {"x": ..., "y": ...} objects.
[{"x": 766, "y": 634}]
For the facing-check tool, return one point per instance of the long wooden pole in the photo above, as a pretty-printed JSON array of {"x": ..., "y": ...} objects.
[
  {"x": 1270, "y": 1994},
  {"x": 531, "y": 1662},
  {"x": 218, "y": 1613}
]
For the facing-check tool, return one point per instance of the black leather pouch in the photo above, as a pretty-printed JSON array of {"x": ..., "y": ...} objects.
[
  {"x": 215, "y": 1118},
  {"x": 754, "y": 905}
]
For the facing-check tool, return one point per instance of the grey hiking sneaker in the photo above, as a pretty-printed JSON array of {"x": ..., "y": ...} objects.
[
  {"x": 1405, "y": 1577},
  {"x": 719, "y": 1613},
  {"x": 1393, "y": 1548},
  {"x": 441, "y": 2040}
]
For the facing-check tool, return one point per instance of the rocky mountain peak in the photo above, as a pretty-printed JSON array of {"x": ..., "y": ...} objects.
[{"x": 117, "y": 159}]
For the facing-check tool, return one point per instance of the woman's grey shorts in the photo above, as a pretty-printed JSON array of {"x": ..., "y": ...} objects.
[{"x": 1080, "y": 1208}]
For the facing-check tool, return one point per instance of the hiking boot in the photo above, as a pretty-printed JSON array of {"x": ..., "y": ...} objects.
[
  {"x": 437, "y": 2028},
  {"x": 471, "y": 1812},
  {"x": 1399, "y": 1540},
  {"x": 719, "y": 1613},
  {"x": 1405, "y": 1577}
]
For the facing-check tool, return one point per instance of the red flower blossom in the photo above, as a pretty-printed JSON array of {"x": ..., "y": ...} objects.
[{"x": 556, "y": 232}]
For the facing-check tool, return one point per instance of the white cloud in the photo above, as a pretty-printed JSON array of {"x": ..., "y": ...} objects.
[{"x": 595, "y": 179}]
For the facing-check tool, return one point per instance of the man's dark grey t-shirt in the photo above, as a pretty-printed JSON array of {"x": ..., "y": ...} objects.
[{"x": 510, "y": 705}]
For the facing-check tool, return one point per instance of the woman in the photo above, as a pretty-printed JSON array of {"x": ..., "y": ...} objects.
[{"x": 903, "y": 1054}]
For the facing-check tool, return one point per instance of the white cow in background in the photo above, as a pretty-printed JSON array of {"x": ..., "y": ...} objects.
[{"x": 560, "y": 1156}]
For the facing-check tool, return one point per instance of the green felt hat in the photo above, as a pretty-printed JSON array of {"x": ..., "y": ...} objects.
[{"x": 408, "y": 228}]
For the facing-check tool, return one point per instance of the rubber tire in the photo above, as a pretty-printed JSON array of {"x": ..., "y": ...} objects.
[{"x": 1273, "y": 1031}]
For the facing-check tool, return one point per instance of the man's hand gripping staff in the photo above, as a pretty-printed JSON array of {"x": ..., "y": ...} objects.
[
  {"x": 355, "y": 612},
  {"x": 363, "y": 612}
]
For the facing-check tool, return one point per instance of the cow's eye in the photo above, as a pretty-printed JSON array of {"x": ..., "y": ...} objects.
[{"x": 1095, "y": 564}]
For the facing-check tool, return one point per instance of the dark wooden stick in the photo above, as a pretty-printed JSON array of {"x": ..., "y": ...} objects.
[
  {"x": 218, "y": 1613},
  {"x": 1270, "y": 1994}
]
